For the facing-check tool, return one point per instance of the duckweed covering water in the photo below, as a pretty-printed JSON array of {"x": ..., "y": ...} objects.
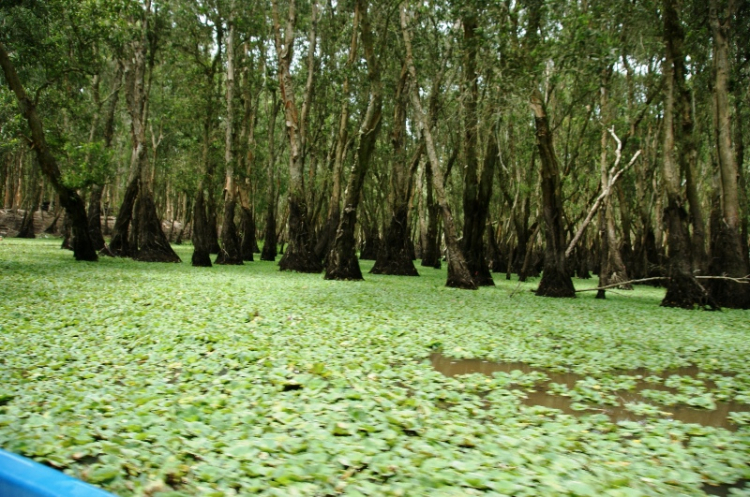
[{"x": 168, "y": 380}]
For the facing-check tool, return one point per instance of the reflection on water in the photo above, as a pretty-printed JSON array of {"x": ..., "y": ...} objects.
[
  {"x": 717, "y": 417},
  {"x": 724, "y": 490}
]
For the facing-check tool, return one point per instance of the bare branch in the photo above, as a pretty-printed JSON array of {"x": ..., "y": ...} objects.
[
  {"x": 743, "y": 280},
  {"x": 598, "y": 202},
  {"x": 621, "y": 283}
]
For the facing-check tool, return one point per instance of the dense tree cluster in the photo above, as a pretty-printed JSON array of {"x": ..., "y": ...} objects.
[{"x": 518, "y": 136}]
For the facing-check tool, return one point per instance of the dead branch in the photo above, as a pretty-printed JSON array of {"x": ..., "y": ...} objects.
[
  {"x": 603, "y": 195},
  {"x": 614, "y": 285},
  {"x": 743, "y": 280}
]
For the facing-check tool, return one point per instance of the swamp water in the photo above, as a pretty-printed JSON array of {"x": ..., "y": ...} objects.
[{"x": 541, "y": 396}]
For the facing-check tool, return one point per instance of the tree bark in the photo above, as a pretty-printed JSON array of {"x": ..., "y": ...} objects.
[
  {"x": 246, "y": 190},
  {"x": 431, "y": 250},
  {"x": 269, "y": 245},
  {"x": 95, "y": 216},
  {"x": 683, "y": 290},
  {"x": 27, "y": 229},
  {"x": 83, "y": 248},
  {"x": 299, "y": 255},
  {"x": 458, "y": 271},
  {"x": 247, "y": 228},
  {"x": 146, "y": 241},
  {"x": 201, "y": 240},
  {"x": 556, "y": 281},
  {"x": 728, "y": 255},
  {"x": 476, "y": 195},
  {"x": 342, "y": 261},
  {"x": 97, "y": 190},
  {"x": 394, "y": 256},
  {"x": 230, "y": 253},
  {"x": 328, "y": 232}
]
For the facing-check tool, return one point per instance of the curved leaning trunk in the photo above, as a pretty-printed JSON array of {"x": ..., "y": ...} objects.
[
  {"x": 83, "y": 248},
  {"x": 458, "y": 271},
  {"x": 342, "y": 263}
]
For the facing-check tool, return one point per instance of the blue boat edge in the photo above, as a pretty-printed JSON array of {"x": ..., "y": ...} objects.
[{"x": 22, "y": 477}]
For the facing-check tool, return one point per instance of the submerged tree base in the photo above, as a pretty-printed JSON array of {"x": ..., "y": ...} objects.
[
  {"x": 223, "y": 259},
  {"x": 155, "y": 255},
  {"x": 401, "y": 266},
  {"x": 727, "y": 251},
  {"x": 343, "y": 271},
  {"x": 459, "y": 278},
  {"x": 395, "y": 268},
  {"x": 300, "y": 261},
  {"x": 483, "y": 277},
  {"x": 685, "y": 292},
  {"x": 201, "y": 259},
  {"x": 153, "y": 245},
  {"x": 555, "y": 284}
]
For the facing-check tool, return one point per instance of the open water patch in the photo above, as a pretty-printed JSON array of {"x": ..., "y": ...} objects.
[{"x": 633, "y": 395}]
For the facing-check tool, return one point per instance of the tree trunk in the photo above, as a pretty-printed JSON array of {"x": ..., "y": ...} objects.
[
  {"x": 67, "y": 233},
  {"x": 458, "y": 271},
  {"x": 370, "y": 246},
  {"x": 394, "y": 256},
  {"x": 249, "y": 241},
  {"x": 230, "y": 253},
  {"x": 556, "y": 281},
  {"x": 27, "y": 229},
  {"x": 27, "y": 223},
  {"x": 269, "y": 244},
  {"x": 476, "y": 196},
  {"x": 475, "y": 218},
  {"x": 431, "y": 250},
  {"x": 342, "y": 261},
  {"x": 299, "y": 255},
  {"x": 152, "y": 243},
  {"x": 201, "y": 238},
  {"x": 683, "y": 290},
  {"x": 328, "y": 232},
  {"x": 97, "y": 190},
  {"x": 728, "y": 256},
  {"x": 146, "y": 241}
]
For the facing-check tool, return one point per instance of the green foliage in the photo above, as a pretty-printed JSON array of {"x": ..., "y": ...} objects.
[{"x": 171, "y": 380}]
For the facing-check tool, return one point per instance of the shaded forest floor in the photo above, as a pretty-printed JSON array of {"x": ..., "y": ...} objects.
[{"x": 163, "y": 379}]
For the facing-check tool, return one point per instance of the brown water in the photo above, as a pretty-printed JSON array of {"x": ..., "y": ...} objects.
[{"x": 717, "y": 417}]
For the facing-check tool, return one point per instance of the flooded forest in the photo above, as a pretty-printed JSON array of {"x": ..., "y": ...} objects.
[{"x": 503, "y": 139}]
